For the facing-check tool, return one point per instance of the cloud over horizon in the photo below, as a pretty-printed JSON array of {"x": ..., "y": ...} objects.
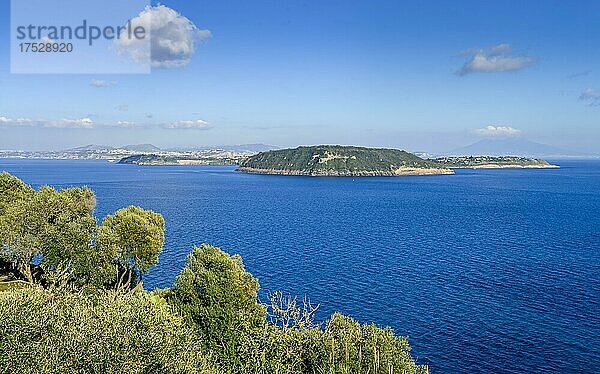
[
  {"x": 88, "y": 123},
  {"x": 172, "y": 38},
  {"x": 99, "y": 83},
  {"x": 498, "y": 131},
  {"x": 494, "y": 60},
  {"x": 591, "y": 96},
  {"x": 195, "y": 124},
  {"x": 81, "y": 123}
]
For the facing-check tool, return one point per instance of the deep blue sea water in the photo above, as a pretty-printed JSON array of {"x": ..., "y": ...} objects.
[{"x": 487, "y": 271}]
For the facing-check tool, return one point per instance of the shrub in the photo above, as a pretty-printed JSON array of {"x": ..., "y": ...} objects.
[
  {"x": 107, "y": 332},
  {"x": 219, "y": 298}
]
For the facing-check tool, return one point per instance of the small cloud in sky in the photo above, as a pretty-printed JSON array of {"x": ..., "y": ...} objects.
[
  {"x": 591, "y": 96},
  {"x": 81, "y": 123},
  {"x": 122, "y": 108},
  {"x": 579, "y": 74},
  {"x": 195, "y": 124},
  {"x": 99, "y": 83},
  {"x": 172, "y": 38},
  {"x": 498, "y": 131},
  {"x": 126, "y": 124},
  {"x": 493, "y": 60},
  {"x": 72, "y": 123}
]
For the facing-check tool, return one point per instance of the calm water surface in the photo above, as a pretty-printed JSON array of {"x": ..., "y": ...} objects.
[{"x": 487, "y": 271}]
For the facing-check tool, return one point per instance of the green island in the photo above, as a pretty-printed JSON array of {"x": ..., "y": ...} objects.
[
  {"x": 156, "y": 160},
  {"x": 72, "y": 300},
  {"x": 492, "y": 162},
  {"x": 335, "y": 160}
]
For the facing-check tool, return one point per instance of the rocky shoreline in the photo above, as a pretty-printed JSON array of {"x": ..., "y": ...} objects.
[
  {"x": 493, "y": 166},
  {"x": 347, "y": 173}
]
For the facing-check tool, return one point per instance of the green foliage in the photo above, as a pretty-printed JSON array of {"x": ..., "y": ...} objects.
[
  {"x": 148, "y": 160},
  {"x": 343, "y": 347},
  {"x": 59, "y": 227},
  {"x": 134, "y": 236},
  {"x": 108, "y": 332},
  {"x": 474, "y": 161},
  {"x": 218, "y": 297},
  {"x": 77, "y": 325},
  {"x": 21, "y": 232},
  {"x": 12, "y": 189},
  {"x": 216, "y": 294},
  {"x": 335, "y": 160},
  {"x": 69, "y": 233},
  {"x": 349, "y": 347}
]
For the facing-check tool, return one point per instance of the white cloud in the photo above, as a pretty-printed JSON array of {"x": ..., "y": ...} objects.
[
  {"x": 99, "y": 83},
  {"x": 580, "y": 74},
  {"x": 88, "y": 123},
  {"x": 122, "y": 108},
  {"x": 591, "y": 96},
  {"x": 125, "y": 124},
  {"x": 85, "y": 123},
  {"x": 492, "y": 131},
  {"x": 195, "y": 124},
  {"x": 496, "y": 59},
  {"x": 170, "y": 41},
  {"x": 501, "y": 49}
]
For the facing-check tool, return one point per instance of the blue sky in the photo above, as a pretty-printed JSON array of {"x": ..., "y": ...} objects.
[{"x": 377, "y": 73}]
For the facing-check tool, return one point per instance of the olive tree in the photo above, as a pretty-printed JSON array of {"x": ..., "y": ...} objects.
[
  {"x": 135, "y": 237},
  {"x": 68, "y": 239},
  {"x": 12, "y": 189},
  {"x": 219, "y": 297}
]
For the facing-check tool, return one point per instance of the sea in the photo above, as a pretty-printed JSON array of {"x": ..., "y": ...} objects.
[{"x": 485, "y": 271}]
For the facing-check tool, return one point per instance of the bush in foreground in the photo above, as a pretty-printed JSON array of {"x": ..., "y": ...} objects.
[
  {"x": 216, "y": 295},
  {"x": 83, "y": 309},
  {"x": 108, "y": 332}
]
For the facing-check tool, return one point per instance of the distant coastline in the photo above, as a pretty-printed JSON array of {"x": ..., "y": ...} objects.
[
  {"x": 493, "y": 162},
  {"x": 323, "y": 160},
  {"x": 492, "y": 166},
  {"x": 376, "y": 173}
]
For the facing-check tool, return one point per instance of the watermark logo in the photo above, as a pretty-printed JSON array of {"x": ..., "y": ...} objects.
[
  {"x": 80, "y": 37},
  {"x": 66, "y": 34}
]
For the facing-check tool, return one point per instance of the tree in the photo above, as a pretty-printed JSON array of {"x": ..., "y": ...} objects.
[
  {"x": 59, "y": 226},
  {"x": 218, "y": 296},
  {"x": 68, "y": 238},
  {"x": 11, "y": 190},
  {"x": 20, "y": 229},
  {"x": 135, "y": 237}
]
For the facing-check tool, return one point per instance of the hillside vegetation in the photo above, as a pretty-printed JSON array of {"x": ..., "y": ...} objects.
[
  {"x": 333, "y": 160},
  {"x": 72, "y": 301},
  {"x": 492, "y": 162}
]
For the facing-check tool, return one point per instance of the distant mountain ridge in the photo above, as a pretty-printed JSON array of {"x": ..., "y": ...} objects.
[
  {"x": 243, "y": 148},
  {"x": 141, "y": 148},
  {"x": 90, "y": 148},
  {"x": 151, "y": 148},
  {"x": 130, "y": 147},
  {"x": 512, "y": 147}
]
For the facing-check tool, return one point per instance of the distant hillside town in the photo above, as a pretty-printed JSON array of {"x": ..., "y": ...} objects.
[{"x": 100, "y": 152}]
